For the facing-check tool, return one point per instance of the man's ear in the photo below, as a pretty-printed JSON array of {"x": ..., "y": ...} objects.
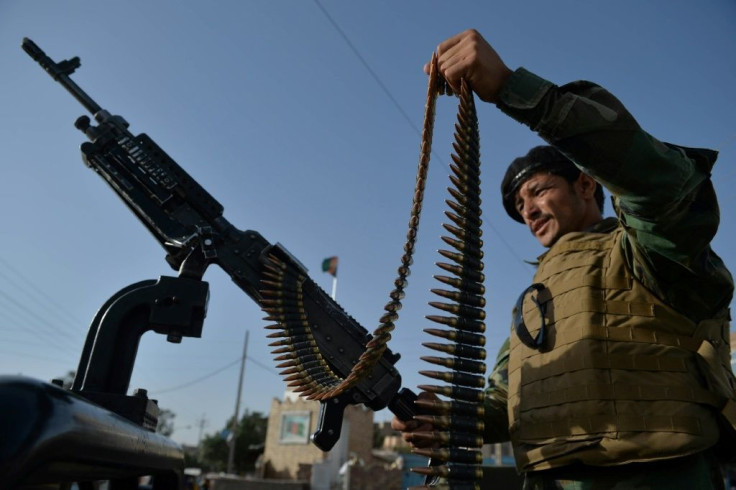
[{"x": 586, "y": 185}]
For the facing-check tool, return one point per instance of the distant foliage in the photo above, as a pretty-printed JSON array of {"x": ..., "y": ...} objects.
[
  {"x": 165, "y": 422},
  {"x": 250, "y": 437}
]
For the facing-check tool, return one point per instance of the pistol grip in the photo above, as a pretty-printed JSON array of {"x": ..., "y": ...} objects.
[
  {"x": 329, "y": 424},
  {"x": 402, "y": 405}
]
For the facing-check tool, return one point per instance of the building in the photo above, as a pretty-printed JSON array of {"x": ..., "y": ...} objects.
[{"x": 289, "y": 453}]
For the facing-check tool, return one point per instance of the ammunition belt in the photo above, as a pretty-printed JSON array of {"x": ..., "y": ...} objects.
[
  {"x": 456, "y": 456},
  {"x": 458, "y": 423}
]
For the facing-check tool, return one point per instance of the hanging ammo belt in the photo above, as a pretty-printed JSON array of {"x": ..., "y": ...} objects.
[{"x": 458, "y": 422}]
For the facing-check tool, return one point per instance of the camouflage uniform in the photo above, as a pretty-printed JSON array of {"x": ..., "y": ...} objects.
[{"x": 666, "y": 203}]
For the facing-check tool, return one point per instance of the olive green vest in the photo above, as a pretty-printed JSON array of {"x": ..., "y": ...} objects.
[{"x": 621, "y": 377}]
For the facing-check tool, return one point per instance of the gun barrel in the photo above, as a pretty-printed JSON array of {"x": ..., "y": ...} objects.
[{"x": 60, "y": 72}]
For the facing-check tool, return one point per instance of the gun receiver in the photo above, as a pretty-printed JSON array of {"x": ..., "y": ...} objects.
[{"x": 188, "y": 222}]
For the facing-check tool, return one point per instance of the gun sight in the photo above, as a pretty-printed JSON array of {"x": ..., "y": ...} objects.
[{"x": 60, "y": 72}]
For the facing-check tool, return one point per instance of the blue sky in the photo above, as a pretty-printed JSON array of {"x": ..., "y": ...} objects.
[{"x": 301, "y": 118}]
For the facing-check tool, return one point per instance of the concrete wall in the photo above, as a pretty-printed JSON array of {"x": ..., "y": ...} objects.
[
  {"x": 282, "y": 457},
  {"x": 288, "y": 449}
]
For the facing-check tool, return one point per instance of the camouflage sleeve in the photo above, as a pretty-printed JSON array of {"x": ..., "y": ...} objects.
[
  {"x": 663, "y": 193},
  {"x": 496, "y": 412}
]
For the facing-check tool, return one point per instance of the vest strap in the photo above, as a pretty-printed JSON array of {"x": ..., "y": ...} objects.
[
  {"x": 618, "y": 391},
  {"x": 608, "y": 424},
  {"x": 541, "y": 369}
]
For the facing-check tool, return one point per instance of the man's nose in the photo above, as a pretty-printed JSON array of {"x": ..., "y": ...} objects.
[{"x": 530, "y": 210}]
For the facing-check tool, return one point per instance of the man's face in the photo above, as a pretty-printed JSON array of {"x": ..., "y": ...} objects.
[{"x": 551, "y": 207}]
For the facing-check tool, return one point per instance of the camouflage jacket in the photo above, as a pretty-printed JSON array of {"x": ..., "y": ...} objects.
[{"x": 662, "y": 194}]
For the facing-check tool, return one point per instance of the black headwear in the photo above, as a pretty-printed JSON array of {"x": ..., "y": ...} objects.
[{"x": 539, "y": 158}]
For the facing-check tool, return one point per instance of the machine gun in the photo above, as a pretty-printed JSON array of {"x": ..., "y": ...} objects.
[
  {"x": 189, "y": 224},
  {"x": 326, "y": 354}
]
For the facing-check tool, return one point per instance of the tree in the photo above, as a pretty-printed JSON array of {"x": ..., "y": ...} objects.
[
  {"x": 250, "y": 436},
  {"x": 378, "y": 437},
  {"x": 165, "y": 424}
]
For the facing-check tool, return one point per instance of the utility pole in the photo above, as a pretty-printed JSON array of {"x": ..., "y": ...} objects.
[
  {"x": 234, "y": 427},
  {"x": 202, "y": 423}
]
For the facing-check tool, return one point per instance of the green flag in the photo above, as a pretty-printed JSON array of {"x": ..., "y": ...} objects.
[{"x": 329, "y": 265}]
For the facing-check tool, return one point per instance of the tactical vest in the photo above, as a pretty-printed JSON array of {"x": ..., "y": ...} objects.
[{"x": 621, "y": 376}]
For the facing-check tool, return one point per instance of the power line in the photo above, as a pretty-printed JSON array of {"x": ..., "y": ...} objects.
[
  {"x": 198, "y": 380},
  {"x": 35, "y": 317},
  {"x": 211, "y": 374},
  {"x": 263, "y": 366},
  {"x": 368, "y": 67},
  {"x": 35, "y": 356},
  {"x": 403, "y": 113},
  {"x": 49, "y": 329},
  {"x": 75, "y": 322}
]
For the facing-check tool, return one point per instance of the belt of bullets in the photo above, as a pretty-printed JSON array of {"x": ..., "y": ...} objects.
[
  {"x": 458, "y": 423},
  {"x": 457, "y": 437}
]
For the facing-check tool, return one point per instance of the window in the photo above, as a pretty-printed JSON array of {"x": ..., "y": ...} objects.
[{"x": 294, "y": 428}]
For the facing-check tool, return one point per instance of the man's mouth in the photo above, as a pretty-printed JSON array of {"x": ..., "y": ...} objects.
[{"x": 538, "y": 225}]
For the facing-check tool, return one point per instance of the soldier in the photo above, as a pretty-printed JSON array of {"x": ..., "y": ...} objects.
[{"x": 617, "y": 370}]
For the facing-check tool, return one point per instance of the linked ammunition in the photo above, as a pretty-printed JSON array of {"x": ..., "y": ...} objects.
[
  {"x": 283, "y": 301},
  {"x": 460, "y": 310},
  {"x": 469, "y": 202},
  {"x": 464, "y": 165},
  {"x": 464, "y": 273},
  {"x": 464, "y": 169},
  {"x": 457, "y": 363},
  {"x": 454, "y": 406},
  {"x": 459, "y": 350},
  {"x": 290, "y": 332},
  {"x": 378, "y": 340},
  {"x": 466, "y": 180},
  {"x": 288, "y": 357},
  {"x": 299, "y": 340},
  {"x": 464, "y": 222},
  {"x": 462, "y": 284},
  {"x": 466, "y": 247},
  {"x": 455, "y": 423},
  {"x": 452, "y": 471},
  {"x": 274, "y": 283},
  {"x": 389, "y": 317},
  {"x": 459, "y": 323},
  {"x": 282, "y": 293},
  {"x": 392, "y": 306},
  {"x": 472, "y": 236},
  {"x": 451, "y": 485},
  {"x": 456, "y": 378},
  {"x": 458, "y": 336},
  {"x": 465, "y": 147},
  {"x": 462, "y": 297},
  {"x": 461, "y": 439},
  {"x": 453, "y": 454},
  {"x": 300, "y": 349},
  {"x": 463, "y": 259},
  {"x": 457, "y": 392},
  {"x": 468, "y": 189},
  {"x": 284, "y": 317},
  {"x": 280, "y": 343},
  {"x": 298, "y": 376}
]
